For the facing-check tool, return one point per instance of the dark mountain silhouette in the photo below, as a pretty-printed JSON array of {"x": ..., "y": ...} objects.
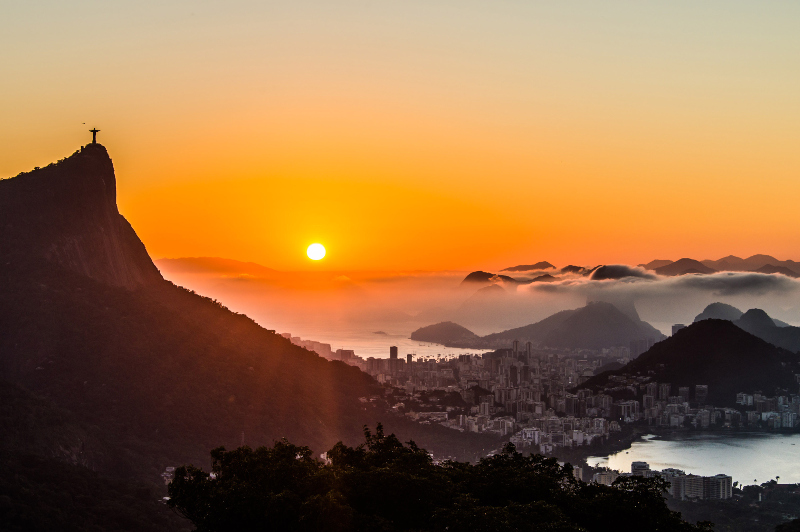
[
  {"x": 623, "y": 302},
  {"x": 45, "y": 455},
  {"x": 755, "y": 319},
  {"x": 443, "y": 333},
  {"x": 719, "y": 354},
  {"x": 719, "y": 311},
  {"x": 66, "y": 213},
  {"x": 599, "y": 325},
  {"x": 658, "y": 263},
  {"x": 729, "y": 263},
  {"x": 756, "y": 263},
  {"x": 783, "y": 270},
  {"x": 595, "y": 326},
  {"x": 759, "y": 261},
  {"x": 682, "y": 267},
  {"x": 160, "y": 374},
  {"x": 546, "y": 278},
  {"x": 529, "y": 267},
  {"x": 487, "y": 292},
  {"x": 757, "y": 322},
  {"x": 611, "y": 366},
  {"x": 573, "y": 269},
  {"x": 486, "y": 277},
  {"x": 618, "y": 271}
]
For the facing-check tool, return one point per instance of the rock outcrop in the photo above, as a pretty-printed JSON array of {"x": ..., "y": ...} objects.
[{"x": 66, "y": 213}]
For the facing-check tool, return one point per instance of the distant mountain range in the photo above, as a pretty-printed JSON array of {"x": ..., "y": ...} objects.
[
  {"x": 716, "y": 353},
  {"x": 683, "y": 267},
  {"x": 757, "y": 263},
  {"x": 216, "y": 265},
  {"x": 481, "y": 277},
  {"x": 595, "y": 326},
  {"x": 750, "y": 264},
  {"x": 529, "y": 267}
]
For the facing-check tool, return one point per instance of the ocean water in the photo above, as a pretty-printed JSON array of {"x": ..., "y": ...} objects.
[
  {"x": 750, "y": 458},
  {"x": 374, "y": 341}
]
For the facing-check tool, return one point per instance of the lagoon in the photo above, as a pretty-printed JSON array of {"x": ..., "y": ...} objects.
[{"x": 750, "y": 458}]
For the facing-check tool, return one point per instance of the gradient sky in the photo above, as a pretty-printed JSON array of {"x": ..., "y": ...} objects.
[{"x": 421, "y": 134}]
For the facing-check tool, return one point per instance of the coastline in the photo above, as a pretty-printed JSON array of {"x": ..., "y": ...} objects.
[{"x": 630, "y": 434}]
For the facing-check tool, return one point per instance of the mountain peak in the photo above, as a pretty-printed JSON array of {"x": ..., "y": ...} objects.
[
  {"x": 754, "y": 318},
  {"x": 66, "y": 213},
  {"x": 719, "y": 311}
]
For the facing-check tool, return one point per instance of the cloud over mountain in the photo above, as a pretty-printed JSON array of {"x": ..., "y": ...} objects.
[{"x": 619, "y": 271}]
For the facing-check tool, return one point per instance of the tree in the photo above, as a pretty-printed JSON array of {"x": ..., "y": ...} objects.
[{"x": 385, "y": 485}]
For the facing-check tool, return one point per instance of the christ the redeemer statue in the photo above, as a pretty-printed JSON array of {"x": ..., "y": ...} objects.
[{"x": 94, "y": 135}]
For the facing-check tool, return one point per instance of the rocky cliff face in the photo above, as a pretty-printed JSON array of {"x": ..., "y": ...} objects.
[{"x": 66, "y": 213}]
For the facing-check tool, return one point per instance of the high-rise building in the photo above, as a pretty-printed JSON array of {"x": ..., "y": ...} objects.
[
  {"x": 605, "y": 477},
  {"x": 717, "y": 487},
  {"x": 677, "y": 327},
  {"x": 394, "y": 362},
  {"x": 701, "y": 394},
  {"x": 648, "y": 401},
  {"x": 683, "y": 393},
  {"x": 652, "y": 389},
  {"x": 693, "y": 487},
  {"x": 640, "y": 346},
  {"x": 664, "y": 390}
]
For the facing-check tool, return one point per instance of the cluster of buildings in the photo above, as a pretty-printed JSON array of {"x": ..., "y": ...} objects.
[
  {"x": 772, "y": 412},
  {"x": 681, "y": 485},
  {"x": 529, "y": 395},
  {"x": 666, "y": 405}
]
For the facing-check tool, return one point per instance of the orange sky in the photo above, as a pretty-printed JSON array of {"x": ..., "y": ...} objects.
[{"x": 422, "y": 135}]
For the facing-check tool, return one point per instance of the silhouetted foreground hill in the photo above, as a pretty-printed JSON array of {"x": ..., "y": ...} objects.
[
  {"x": 45, "y": 478},
  {"x": 150, "y": 374},
  {"x": 595, "y": 326},
  {"x": 719, "y": 354}
]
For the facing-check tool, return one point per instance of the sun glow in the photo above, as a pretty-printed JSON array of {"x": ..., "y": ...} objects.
[{"x": 315, "y": 251}]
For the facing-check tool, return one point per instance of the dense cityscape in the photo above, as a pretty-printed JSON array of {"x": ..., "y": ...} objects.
[{"x": 532, "y": 397}]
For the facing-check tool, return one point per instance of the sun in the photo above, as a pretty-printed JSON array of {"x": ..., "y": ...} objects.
[{"x": 315, "y": 251}]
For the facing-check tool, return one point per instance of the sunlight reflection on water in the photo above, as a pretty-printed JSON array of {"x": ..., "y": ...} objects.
[{"x": 744, "y": 456}]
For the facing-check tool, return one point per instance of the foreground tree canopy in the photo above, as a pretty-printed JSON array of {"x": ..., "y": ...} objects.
[{"x": 383, "y": 485}]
